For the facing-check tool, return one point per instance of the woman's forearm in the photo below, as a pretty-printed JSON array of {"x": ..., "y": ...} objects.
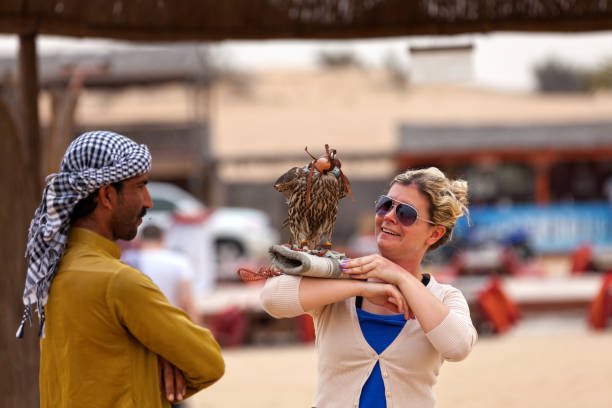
[
  {"x": 318, "y": 292},
  {"x": 289, "y": 296},
  {"x": 427, "y": 308}
]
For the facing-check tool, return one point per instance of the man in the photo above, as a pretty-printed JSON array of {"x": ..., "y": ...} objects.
[
  {"x": 106, "y": 329},
  {"x": 170, "y": 270}
]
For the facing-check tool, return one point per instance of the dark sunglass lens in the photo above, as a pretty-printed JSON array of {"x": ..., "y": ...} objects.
[
  {"x": 383, "y": 205},
  {"x": 406, "y": 214}
]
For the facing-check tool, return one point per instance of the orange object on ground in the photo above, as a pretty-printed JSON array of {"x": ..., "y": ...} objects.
[
  {"x": 600, "y": 309},
  {"x": 307, "y": 330},
  {"x": 501, "y": 311},
  {"x": 581, "y": 259}
]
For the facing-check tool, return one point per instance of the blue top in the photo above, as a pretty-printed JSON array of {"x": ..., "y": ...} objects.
[{"x": 379, "y": 331}]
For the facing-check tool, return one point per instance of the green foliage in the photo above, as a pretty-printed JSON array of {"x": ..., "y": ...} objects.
[
  {"x": 600, "y": 78},
  {"x": 557, "y": 76}
]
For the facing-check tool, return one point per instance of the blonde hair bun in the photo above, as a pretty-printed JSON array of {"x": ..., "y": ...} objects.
[{"x": 459, "y": 188}]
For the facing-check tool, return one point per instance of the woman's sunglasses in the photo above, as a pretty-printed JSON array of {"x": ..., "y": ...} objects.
[{"x": 405, "y": 213}]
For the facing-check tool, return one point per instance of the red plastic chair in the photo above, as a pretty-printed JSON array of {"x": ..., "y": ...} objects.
[
  {"x": 581, "y": 259},
  {"x": 600, "y": 309},
  {"x": 306, "y": 328},
  {"x": 230, "y": 327},
  {"x": 498, "y": 308}
]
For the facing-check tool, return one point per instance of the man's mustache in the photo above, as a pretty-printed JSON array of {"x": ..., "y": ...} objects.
[{"x": 143, "y": 212}]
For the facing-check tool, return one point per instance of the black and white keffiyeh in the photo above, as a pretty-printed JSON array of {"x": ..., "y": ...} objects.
[{"x": 93, "y": 160}]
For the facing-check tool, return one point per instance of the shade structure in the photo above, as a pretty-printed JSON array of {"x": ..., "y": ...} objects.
[{"x": 172, "y": 20}]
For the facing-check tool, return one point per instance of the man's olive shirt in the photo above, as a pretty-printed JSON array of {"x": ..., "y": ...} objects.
[{"x": 106, "y": 324}]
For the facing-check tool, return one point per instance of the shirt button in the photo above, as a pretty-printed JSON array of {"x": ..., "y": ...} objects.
[
  {"x": 388, "y": 394},
  {"x": 385, "y": 374}
]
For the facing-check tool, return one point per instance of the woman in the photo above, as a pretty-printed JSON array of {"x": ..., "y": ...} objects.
[{"x": 368, "y": 354}]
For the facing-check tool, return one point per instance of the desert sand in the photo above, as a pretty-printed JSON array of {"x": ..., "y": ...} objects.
[{"x": 538, "y": 364}]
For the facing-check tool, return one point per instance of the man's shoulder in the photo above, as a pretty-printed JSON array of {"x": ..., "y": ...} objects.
[
  {"x": 127, "y": 281},
  {"x": 84, "y": 259},
  {"x": 127, "y": 274}
]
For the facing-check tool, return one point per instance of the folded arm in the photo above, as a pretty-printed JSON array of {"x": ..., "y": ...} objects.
[
  {"x": 289, "y": 296},
  {"x": 164, "y": 329},
  {"x": 446, "y": 321}
]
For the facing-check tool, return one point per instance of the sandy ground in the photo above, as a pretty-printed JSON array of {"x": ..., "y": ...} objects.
[{"x": 539, "y": 364}]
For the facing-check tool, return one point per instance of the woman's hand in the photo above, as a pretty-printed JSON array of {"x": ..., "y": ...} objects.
[
  {"x": 386, "y": 295},
  {"x": 374, "y": 266}
]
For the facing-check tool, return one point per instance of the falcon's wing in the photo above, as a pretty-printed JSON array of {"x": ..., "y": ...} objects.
[
  {"x": 286, "y": 183},
  {"x": 342, "y": 190}
]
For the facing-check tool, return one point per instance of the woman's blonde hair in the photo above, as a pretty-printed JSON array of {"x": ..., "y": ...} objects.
[{"x": 447, "y": 198}]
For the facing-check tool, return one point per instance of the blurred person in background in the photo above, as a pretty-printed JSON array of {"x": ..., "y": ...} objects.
[
  {"x": 170, "y": 270},
  {"x": 196, "y": 243},
  {"x": 383, "y": 336},
  {"x": 109, "y": 337}
]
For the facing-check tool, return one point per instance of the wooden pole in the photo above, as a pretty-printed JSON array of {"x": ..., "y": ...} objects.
[
  {"x": 542, "y": 165},
  {"x": 18, "y": 358},
  {"x": 28, "y": 80}
]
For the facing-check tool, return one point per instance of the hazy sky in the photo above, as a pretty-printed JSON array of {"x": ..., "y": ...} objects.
[{"x": 503, "y": 61}]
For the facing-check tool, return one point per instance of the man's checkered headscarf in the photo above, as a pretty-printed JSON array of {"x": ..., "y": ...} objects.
[{"x": 93, "y": 160}]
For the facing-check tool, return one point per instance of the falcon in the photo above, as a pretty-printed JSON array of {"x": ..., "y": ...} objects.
[{"x": 313, "y": 193}]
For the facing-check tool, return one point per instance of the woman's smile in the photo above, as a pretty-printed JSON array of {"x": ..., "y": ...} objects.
[{"x": 388, "y": 231}]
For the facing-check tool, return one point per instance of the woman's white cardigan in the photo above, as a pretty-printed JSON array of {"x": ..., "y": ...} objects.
[{"x": 410, "y": 364}]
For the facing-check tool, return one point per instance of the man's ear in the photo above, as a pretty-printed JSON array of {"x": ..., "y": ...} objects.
[
  {"x": 437, "y": 233},
  {"x": 107, "y": 196}
]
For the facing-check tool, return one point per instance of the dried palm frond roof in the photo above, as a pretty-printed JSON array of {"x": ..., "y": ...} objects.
[{"x": 170, "y": 20}]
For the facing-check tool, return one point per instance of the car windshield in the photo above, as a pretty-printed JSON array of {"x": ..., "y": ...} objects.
[
  {"x": 160, "y": 204},
  {"x": 168, "y": 198}
]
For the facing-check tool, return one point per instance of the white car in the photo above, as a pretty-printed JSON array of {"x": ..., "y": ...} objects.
[{"x": 236, "y": 232}]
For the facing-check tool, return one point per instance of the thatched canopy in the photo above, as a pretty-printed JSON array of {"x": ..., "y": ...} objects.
[{"x": 169, "y": 20}]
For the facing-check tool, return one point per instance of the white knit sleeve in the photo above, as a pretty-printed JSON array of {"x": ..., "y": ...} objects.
[
  {"x": 455, "y": 336},
  {"x": 280, "y": 296}
]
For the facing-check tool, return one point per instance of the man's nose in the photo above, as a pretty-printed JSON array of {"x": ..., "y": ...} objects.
[{"x": 148, "y": 203}]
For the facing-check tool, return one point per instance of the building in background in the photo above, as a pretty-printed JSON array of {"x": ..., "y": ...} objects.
[
  {"x": 451, "y": 64},
  {"x": 157, "y": 95},
  {"x": 513, "y": 148},
  {"x": 227, "y": 136}
]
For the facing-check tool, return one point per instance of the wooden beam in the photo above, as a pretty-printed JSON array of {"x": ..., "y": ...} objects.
[
  {"x": 161, "y": 20},
  {"x": 28, "y": 81}
]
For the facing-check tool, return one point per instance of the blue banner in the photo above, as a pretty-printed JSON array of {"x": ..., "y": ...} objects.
[{"x": 548, "y": 228}]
